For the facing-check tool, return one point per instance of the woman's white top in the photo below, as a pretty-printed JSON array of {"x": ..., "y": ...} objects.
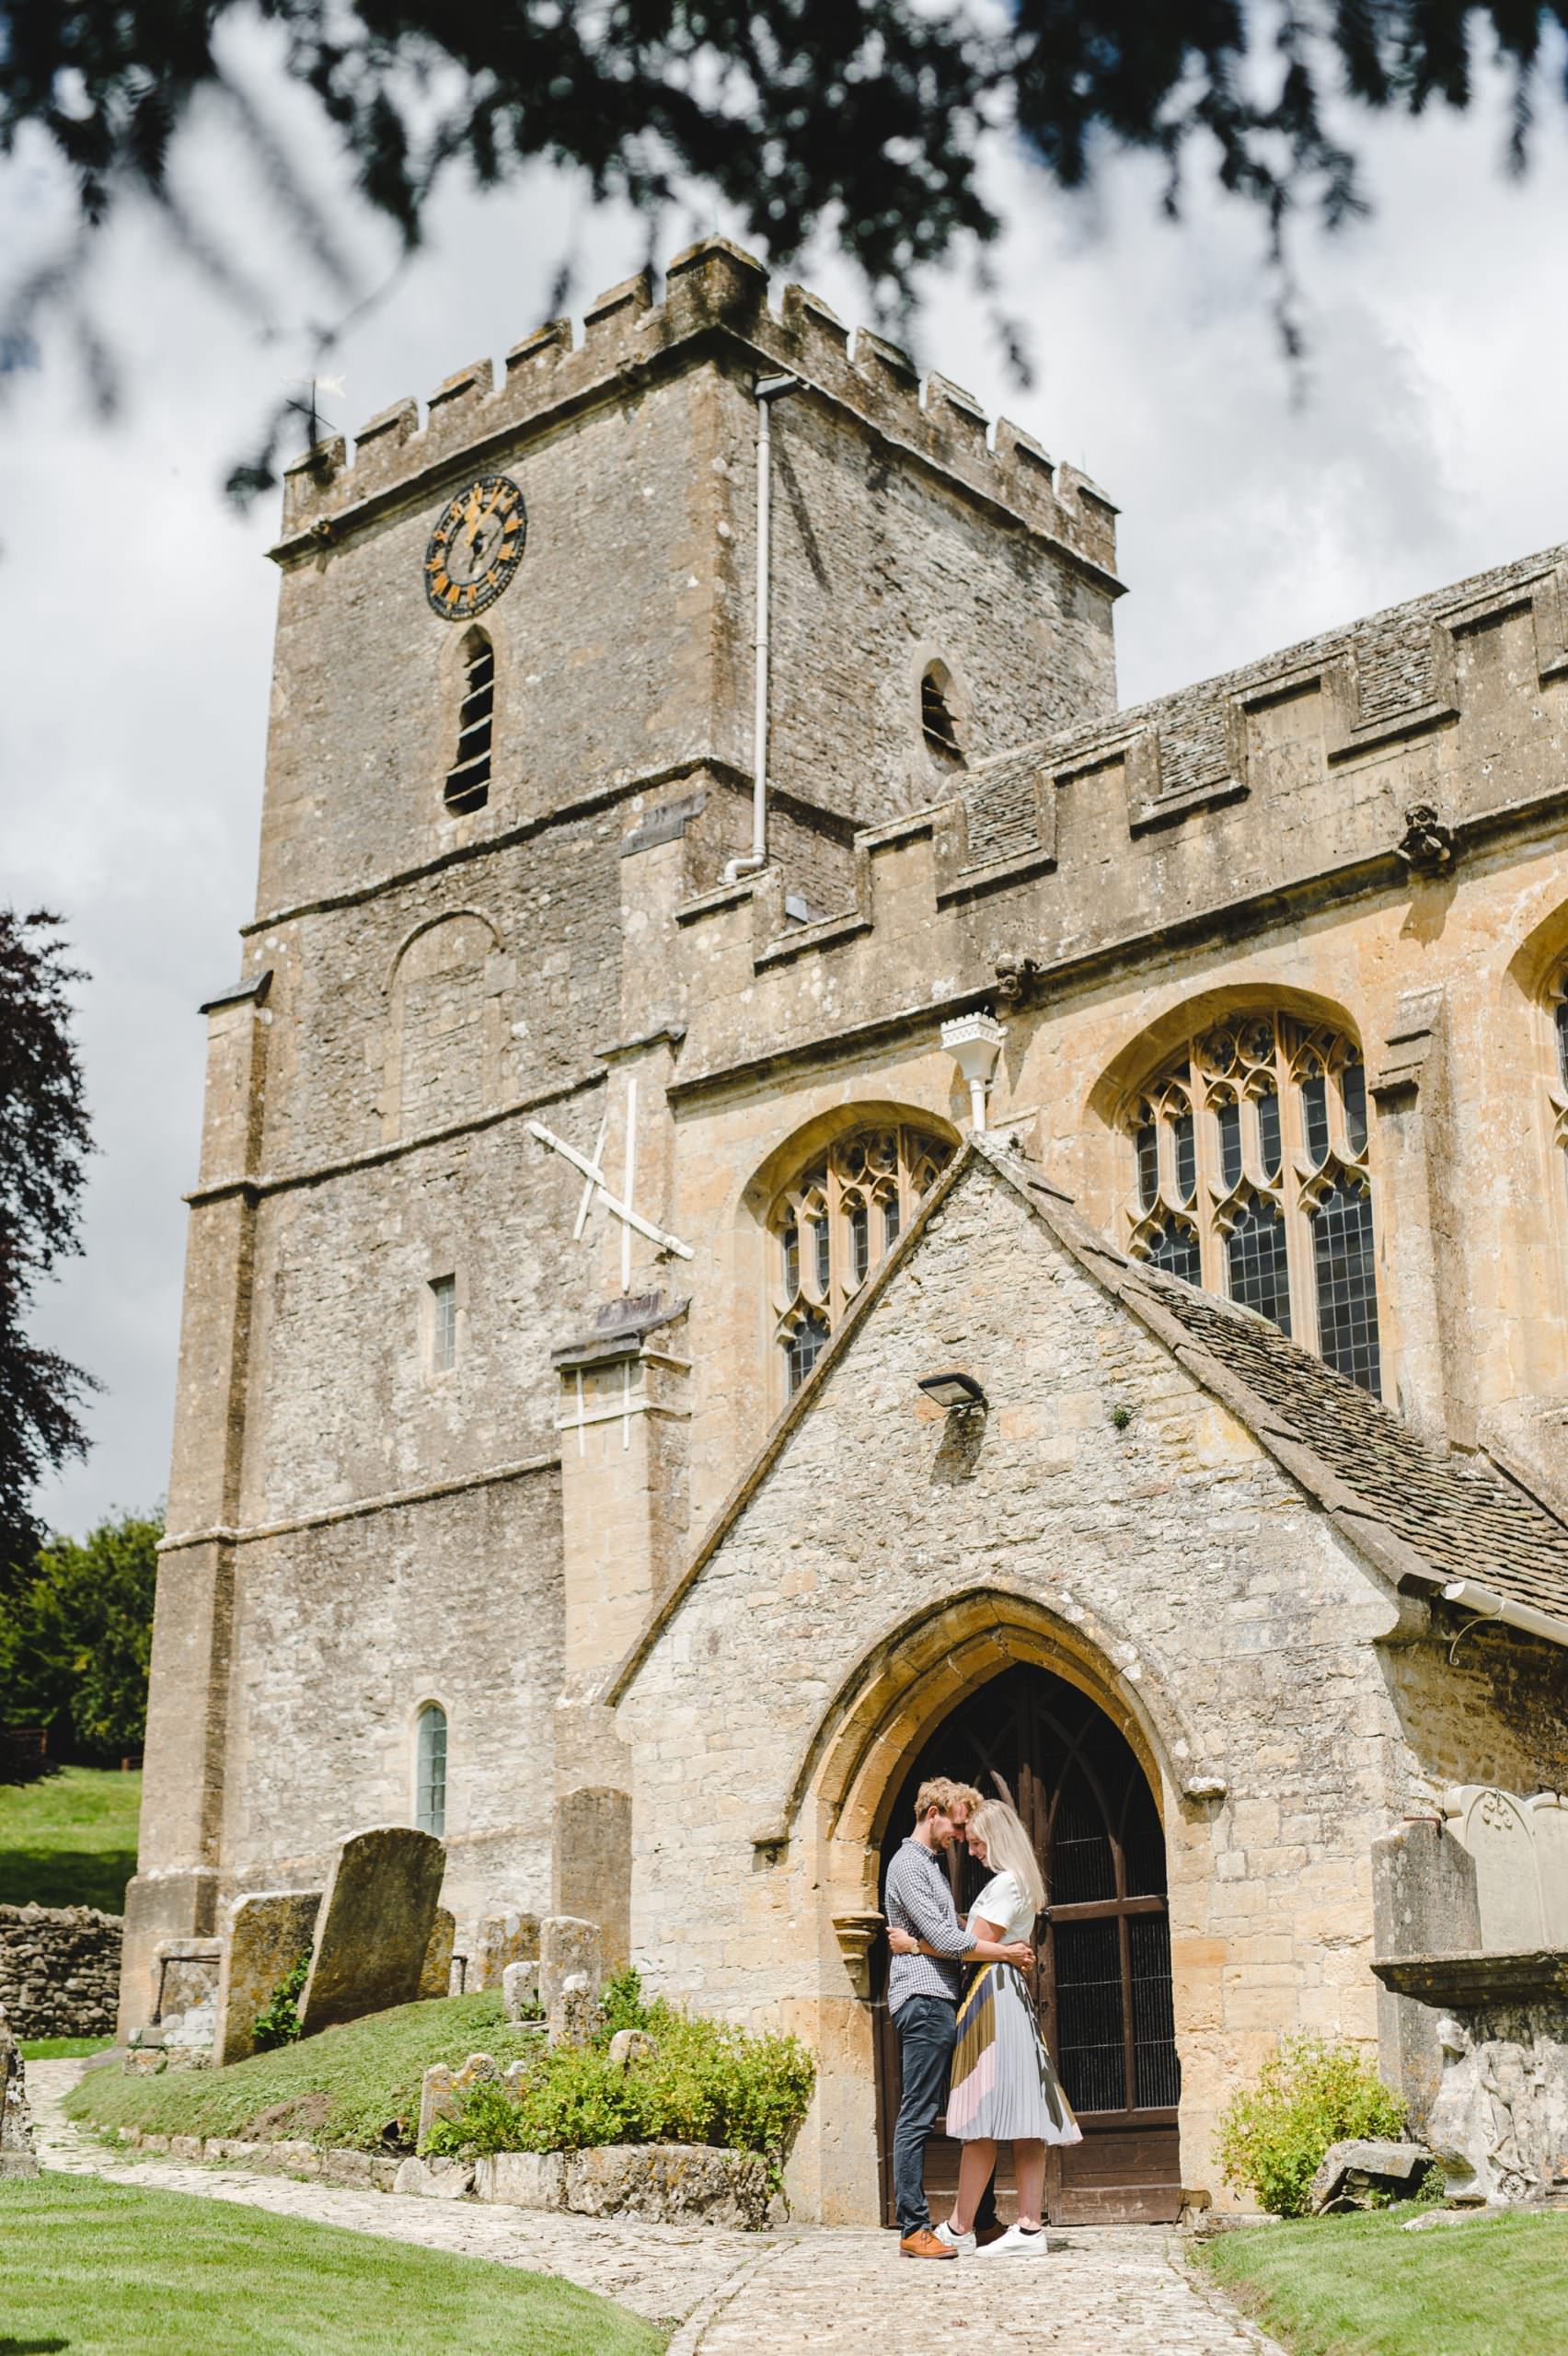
[{"x": 1002, "y": 1903}]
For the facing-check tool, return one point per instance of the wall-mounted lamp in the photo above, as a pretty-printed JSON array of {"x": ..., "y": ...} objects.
[{"x": 959, "y": 1393}]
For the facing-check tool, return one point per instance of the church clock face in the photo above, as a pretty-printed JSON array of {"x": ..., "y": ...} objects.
[{"x": 475, "y": 548}]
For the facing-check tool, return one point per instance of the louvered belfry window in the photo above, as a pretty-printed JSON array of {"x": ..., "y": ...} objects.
[
  {"x": 467, "y": 783},
  {"x": 1249, "y": 1178},
  {"x": 837, "y": 1224}
]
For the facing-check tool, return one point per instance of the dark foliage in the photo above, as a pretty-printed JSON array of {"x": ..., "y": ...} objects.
[
  {"x": 867, "y": 117},
  {"x": 75, "y": 1639},
  {"x": 44, "y": 1142}
]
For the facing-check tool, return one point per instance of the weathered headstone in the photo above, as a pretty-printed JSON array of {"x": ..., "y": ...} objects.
[
  {"x": 520, "y": 1989},
  {"x": 372, "y": 1926},
  {"x": 17, "y": 2154},
  {"x": 1494, "y": 1826},
  {"x": 268, "y": 1934},
  {"x": 511, "y": 1937},
  {"x": 567, "y": 1946},
  {"x": 444, "y": 2090},
  {"x": 1549, "y": 1822},
  {"x": 435, "y": 1977}
]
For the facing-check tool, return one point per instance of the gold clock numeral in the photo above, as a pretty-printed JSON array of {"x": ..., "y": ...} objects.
[{"x": 459, "y": 537}]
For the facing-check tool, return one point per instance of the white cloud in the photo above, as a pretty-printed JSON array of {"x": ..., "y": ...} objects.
[{"x": 1423, "y": 442}]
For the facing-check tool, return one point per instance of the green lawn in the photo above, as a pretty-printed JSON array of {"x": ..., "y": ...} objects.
[
  {"x": 1362, "y": 2286},
  {"x": 108, "y": 2270},
  {"x": 60, "y": 2048},
  {"x": 69, "y": 1840},
  {"x": 367, "y": 2072}
]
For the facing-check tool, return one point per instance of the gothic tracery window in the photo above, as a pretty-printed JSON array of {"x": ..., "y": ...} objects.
[
  {"x": 836, "y": 1224},
  {"x": 1250, "y": 1177}
]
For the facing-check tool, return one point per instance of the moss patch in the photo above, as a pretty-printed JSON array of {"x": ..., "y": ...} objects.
[{"x": 357, "y": 2086}]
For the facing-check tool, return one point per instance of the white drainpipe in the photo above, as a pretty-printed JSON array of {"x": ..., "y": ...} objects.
[{"x": 767, "y": 391}]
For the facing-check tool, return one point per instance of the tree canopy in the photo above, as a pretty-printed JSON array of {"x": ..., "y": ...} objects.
[
  {"x": 864, "y": 119},
  {"x": 76, "y": 1636},
  {"x": 44, "y": 1142}
]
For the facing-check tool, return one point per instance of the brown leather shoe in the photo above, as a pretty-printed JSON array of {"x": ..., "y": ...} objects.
[
  {"x": 985, "y": 2234},
  {"x": 923, "y": 2243}
]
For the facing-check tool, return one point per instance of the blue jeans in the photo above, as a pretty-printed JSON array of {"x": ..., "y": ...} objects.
[{"x": 927, "y": 2032}]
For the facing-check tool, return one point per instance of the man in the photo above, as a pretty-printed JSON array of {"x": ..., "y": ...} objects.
[{"x": 923, "y": 1993}]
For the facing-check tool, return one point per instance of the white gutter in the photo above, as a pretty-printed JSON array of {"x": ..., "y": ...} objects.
[
  {"x": 1488, "y": 1605},
  {"x": 767, "y": 391}
]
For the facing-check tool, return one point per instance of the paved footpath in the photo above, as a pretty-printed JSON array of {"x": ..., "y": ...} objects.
[{"x": 825, "y": 2291}]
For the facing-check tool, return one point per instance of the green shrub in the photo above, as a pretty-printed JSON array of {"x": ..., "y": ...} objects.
[
  {"x": 1273, "y": 2136},
  {"x": 707, "y": 2082},
  {"x": 278, "y": 2021},
  {"x": 621, "y": 1998}
]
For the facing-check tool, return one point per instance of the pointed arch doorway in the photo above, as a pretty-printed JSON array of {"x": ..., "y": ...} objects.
[{"x": 1103, "y": 1978}]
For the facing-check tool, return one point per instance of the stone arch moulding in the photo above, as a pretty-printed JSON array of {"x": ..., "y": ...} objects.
[
  {"x": 1197, "y": 1010},
  {"x": 445, "y": 1040},
  {"x": 1538, "y": 955},
  {"x": 919, "y": 1671},
  {"x": 434, "y": 924},
  {"x": 813, "y": 1137}
]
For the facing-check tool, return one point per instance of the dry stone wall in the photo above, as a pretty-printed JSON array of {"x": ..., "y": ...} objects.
[{"x": 59, "y": 1971}]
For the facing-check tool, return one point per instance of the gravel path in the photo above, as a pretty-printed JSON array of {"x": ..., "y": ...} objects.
[{"x": 1121, "y": 2289}]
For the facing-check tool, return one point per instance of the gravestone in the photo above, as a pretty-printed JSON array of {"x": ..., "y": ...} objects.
[
  {"x": 1548, "y": 1820},
  {"x": 435, "y": 1977},
  {"x": 511, "y": 1937},
  {"x": 268, "y": 1934},
  {"x": 570, "y": 1968},
  {"x": 17, "y": 2154},
  {"x": 1494, "y": 1826},
  {"x": 374, "y": 1925},
  {"x": 520, "y": 1989}
]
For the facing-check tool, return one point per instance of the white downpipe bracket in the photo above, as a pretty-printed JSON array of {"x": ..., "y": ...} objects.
[
  {"x": 975, "y": 1041},
  {"x": 767, "y": 391}
]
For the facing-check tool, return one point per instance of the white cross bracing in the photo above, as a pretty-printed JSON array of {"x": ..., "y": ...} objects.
[{"x": 597, "y": 1186}]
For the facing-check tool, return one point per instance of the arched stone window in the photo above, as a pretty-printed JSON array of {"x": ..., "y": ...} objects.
[
  {"x": 429, "y": 1771},
  {"x": 939, "y": 723},
  {"x": 467, "y": 783},
  {"x": 1249, "y": 1165},
  {"x": 837, "y": 1222}
]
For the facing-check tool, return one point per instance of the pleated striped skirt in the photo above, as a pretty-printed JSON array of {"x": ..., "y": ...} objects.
[{"x": 1003, "y": 2086}]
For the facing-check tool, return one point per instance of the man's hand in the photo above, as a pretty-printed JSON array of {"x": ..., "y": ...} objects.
[{"x": 1018, "y": 1951}]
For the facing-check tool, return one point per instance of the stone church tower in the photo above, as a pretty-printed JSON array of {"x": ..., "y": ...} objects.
[{"x": 584, "y": 1088}]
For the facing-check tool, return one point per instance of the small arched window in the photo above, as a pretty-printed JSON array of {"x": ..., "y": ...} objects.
[
  {"x": 938, "y": 723},
  {"x": 836, "y": 1223},
  {"x": 467, "y": 782},
  {"x": 429, "y": 1771},
  {"x": 1249, "y": 1178}
]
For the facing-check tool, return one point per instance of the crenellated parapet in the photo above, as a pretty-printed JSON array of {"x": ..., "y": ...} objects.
[{"x": 716, "y": 296}]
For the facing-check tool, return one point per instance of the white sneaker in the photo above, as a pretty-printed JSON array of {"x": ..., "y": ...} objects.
[
  {"x": 1016, "y": 2243},
  {"x": 963, "y": 2243}
]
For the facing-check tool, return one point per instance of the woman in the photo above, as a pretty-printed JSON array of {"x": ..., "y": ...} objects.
[{"x": 1003, "y": 2086}]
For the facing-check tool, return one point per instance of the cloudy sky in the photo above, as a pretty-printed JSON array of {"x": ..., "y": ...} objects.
[{"x": 1423, "y": 441}]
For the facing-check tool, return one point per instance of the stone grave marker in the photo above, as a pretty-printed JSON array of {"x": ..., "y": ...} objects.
[
  {"x": 435, "y": 1976},
  {"x": 571, "y": 1968},
  {"x": 268, "y": 1933},
  {"x": 511, "y": 1937},
  {"x": 1497, "y": 1832},
  {"x": 17, "y": 2154},
  {"x": 374, "y": 1925},
  {"x": 1548, "y": 1819}
]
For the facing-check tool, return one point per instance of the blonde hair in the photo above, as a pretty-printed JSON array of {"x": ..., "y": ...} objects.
[
  {"x": 940, "y": 1791},
  {"x": 1008, "y": 1849}
]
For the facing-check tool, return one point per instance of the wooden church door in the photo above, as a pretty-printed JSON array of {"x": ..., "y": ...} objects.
[{"x": 1103, "y": 1977}]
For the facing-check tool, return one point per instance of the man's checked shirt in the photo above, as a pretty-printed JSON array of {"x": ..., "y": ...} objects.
[{"x": 918, "y": 1900}]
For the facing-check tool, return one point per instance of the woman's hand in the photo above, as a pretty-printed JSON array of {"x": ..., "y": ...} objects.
[{"x": 902, "y": 1942}]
